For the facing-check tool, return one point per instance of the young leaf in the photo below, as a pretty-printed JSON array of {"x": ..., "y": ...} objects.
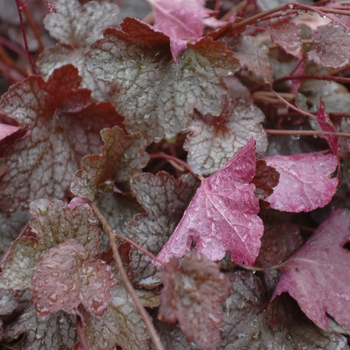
[
  {"x": 63, "y": 128},
  {"x": 305, "y": 181},
  {"x": 193, "y": 288},
  {"x": 120, "y": 324},
  {"x": 122, "y": 157},
  {"x": 214, "y": 140},
  {"x": 65, "y": 279},
  {"x": 76, "y": 27},
  {"x": 287, "y": 35},
  {"x": 222, "y": 216},
  {"x": 332, "y": 44},
  {"x": 138, "y": 60},
  {"x": 245, "y": 325},
  {"x": 164, "y": 200},
  {"x": 317, "y": 274}
]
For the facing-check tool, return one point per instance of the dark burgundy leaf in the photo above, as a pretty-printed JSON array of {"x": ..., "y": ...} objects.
[
  {"x": 222, "y": 216},
  {"x": 193, "y": 288}
]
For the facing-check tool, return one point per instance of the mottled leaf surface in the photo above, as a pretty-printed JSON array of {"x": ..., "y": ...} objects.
[
  {"x": 332, "y": 44},
  {"x": 252, "y": 54},
  {"x": 286, "y": 34},
  {"x": 64, "y": 280},
  {"x": 305, "y": 182},
  {"x": 155, "y": 94},
  {"x": 164, "y": 200},
  {"x": 316, "y": 275},
  {"x": 122, "y": 157},
  {"x": 214, "y": 140},
  {"x": 245, "y": 325},
  {"x": 193, "y": 289},
  {"x": 57, "y": 113},
  {"x": 49, "y": 332},
  {"x": 222, "y": 216},
  {"x": 76, "y": 27},
  {"x": 120, "y": 324}
]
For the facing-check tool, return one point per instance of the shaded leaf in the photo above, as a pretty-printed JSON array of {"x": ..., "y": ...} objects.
[
  {"x": 122, "y": 157},
  {"x": 332, "y": 44},
  {"x": 49, "y": 332},
  {"x": 252, "y": 54},
  {"x": 222, "y": 216},
  {"x": 214, "y": 140},
  {"x": 57, "y": 113},
  {"x": 138, "y": 60},
  {"x": 64, "y": 279},
  {"x": 76, "y": 27},
  {"x": 316, "y": 275},
  {"x": 305, "y": 182},
  {"x": 164, "y": 200},
  {"x": 286, "y": 34},
  {"x": 265, "y": 179},
  {"x": 193, "y": 288},
  {"x": 120, "y": 324},
  {"x": 245, "y": 325},
  {"x": 9, "y": 134}
]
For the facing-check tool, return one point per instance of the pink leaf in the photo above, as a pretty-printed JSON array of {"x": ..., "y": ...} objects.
[
  {"x": 305, "y": 181},
  {"x": 222, "y": 216},
  {"x": 317, "y": 276},
  {"x": 9, "y": 134}
]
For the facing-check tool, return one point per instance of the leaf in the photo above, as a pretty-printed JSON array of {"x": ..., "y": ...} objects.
[
  {"x": 10, "y": 228},
  {"x": 222, "y": 216},
  {"x": 286, "y": 34},
  {"x": 252, "y": 54},
  {"x": 64, "y": 279},
  {"x": 316, "y": 275},
  {"x": 122, "y": 157},
  {"x": 57, "y": 113},
  {"x": 180, "y": 20},
  {"x": 49, "y": 332},
  {"x": 245, "y": 325},
  {"x": 305, "y": 182},
  {"x": 164, "y": 200},
  {"x": 214, "y": 140},
  {"x": 76, "y": 27},
  {"x": 121, "y": 324},
  {"x": 9, "y": 135},
  {"x": 138, "y": 60},
  {"x": 193, "y": 288},
  {"x": 332, "y": 44}
]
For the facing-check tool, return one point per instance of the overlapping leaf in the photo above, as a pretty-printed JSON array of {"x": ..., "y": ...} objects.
[
  {"x": 120, "y": 324},
  {"x": 53, "y": 223},
  {"x": 122, "y": 157},
  {"x": 63, "y": 127},
  {"x": 65, "y": 279},
  {"x": 193, "y": 288},
  {"x": 317, "y": 275},
  {"x": 155, "y": 94},
  {"x": 164, "y": 200},
  {"x": 222, "y": 216},
  {"x": 305, "y": 182},
  {"x": 76, "y": 27},
  {"x": 214, "y": 140}
]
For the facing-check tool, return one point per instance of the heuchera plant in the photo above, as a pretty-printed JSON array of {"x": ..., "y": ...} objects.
[{"x": 180, "y": 181}]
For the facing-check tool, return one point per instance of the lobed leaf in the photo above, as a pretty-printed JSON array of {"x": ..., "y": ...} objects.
[
  {"x": 155, "y": 94},
  {"x": 58, "y": 114},
  {"x": 305, "y": 182},
  {"x": 316, "y": 275},
  {"x": 164, "y": 200},
  {"x": 193, "y": 288},
  {"x": 122, "y": 157},
  {"x": 222, "y": 216}
]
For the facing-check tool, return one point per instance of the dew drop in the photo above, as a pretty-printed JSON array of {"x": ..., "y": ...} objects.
[
  {"x": 125, "y": 157},
  {"x": 295, "y": 137}
]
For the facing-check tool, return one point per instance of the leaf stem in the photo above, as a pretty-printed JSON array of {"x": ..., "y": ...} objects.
[
  {"x": 145, "y": 316},
  {"x": 250, "y": 268},
  {"x": 34, "y": 27},
  {"x": 80, "y": 332},
  {"x": 306, "y": 133}
]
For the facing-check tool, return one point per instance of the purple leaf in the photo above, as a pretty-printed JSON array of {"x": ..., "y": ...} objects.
[
  {"x": 305, "y": 182},
  {"x": 317, "y": 275},
  {"x": 222, "y": 216}
]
